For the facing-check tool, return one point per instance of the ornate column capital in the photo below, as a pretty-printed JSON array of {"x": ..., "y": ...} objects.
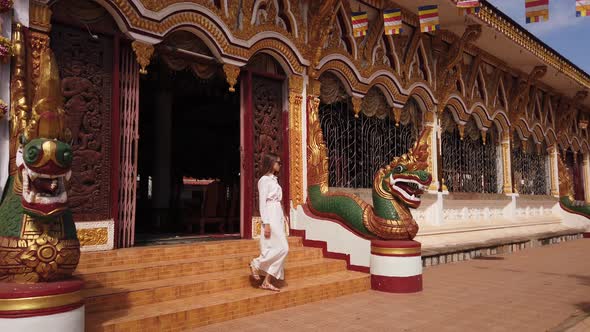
[
  {"x": 40, "y": 16},
  {"x": 232, "y": 72},
  {"x": 144, "y": 53}
]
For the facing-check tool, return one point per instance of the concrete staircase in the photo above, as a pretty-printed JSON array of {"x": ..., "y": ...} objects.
[{"x": 181, "y": 287}]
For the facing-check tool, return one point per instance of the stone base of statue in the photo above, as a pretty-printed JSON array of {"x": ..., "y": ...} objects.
[
  {"x": 396, "y": 266},
  {"x": 48, "y": 307}
]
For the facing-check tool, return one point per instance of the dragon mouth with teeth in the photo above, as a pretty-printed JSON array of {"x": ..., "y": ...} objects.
[
  {"x": 408, "y": 187},
  {"x": 45, "y": 168}
]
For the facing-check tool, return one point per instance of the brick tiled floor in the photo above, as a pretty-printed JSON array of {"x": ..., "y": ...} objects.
[{"x": 538, "y": 289}]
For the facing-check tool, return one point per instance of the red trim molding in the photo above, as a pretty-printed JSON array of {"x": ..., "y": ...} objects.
[
  {"x": 328, "y": 254},
  {"x": 17, "y": 291},
  {"x": 411, "y": 284},
  {"x": 40, "y": 312},
  {"x": 41, "y": 299}
]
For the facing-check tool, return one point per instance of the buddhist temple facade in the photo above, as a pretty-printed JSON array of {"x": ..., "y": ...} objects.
[{"x": 171, "y": 105}]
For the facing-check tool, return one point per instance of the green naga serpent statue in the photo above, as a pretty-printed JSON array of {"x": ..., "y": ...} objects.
[
  {"x": 396, "y": 188},
  {"x": 38, "y": 239},
  {"x": 566, "y": 192}
]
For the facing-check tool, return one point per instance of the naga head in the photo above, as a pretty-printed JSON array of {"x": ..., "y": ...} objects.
[
  {"x": 406, "y": 177},
  {"x": 44, "y": 160}
]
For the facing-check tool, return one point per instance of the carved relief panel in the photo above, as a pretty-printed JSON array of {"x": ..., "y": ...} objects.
[
  {"x": 267, "y": 99},
  {"x": 86, "y": 73}
]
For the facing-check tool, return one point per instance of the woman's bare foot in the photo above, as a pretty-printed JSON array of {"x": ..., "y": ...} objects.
[
  {"x": 268, "y": 286},
  {"x": 254, "y": 272}
]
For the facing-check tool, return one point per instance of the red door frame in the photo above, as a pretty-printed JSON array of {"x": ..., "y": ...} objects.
[{"x": 247, "y": 158}]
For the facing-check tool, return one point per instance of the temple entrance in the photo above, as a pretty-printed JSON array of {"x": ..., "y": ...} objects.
[{"x": 189, "y": 147}]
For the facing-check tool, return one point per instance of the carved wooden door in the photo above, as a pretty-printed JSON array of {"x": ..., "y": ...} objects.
[
  {"x": 267, "y": 134},
  {"x": 86, "y": 70}
]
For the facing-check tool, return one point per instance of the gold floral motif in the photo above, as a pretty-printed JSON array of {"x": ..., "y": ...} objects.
[
  {"x": 18, "y": 99},
  {"x": 39, "y": 43},
  {"x": 296, "y": 158},
  {"x": 93, "y": 236},
  {"x": 231, "y": 75},
  {"x": 144, "y": 53}
]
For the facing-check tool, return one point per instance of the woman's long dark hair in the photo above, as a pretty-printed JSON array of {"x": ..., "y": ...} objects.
[{"x": 268, "y": 163}]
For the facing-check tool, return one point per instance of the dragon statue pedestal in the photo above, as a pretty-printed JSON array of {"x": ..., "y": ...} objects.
[
  {"x": 396, "y": 266},
  {"x": 395, "y": 259},
  {"x": 39, "y": 248},
  {"x": 53, "y": 306}
]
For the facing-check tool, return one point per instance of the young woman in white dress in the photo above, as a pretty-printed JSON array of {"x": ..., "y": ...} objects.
[{"x": 274, "y": 246}]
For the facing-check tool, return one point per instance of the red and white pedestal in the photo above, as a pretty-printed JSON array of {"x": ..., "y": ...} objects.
[
  {"x": 47, "y": 307},
  {"x": 396, "y": 266}
]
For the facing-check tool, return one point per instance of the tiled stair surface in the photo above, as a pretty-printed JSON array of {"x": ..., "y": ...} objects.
[{"x": 181, "y": 287}]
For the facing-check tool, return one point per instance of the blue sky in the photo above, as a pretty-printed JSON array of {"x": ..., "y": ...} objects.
[{"x": 564, "y": 32}]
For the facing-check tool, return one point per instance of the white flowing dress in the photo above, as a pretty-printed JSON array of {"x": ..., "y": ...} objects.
[{"x": 273, "y": 251}]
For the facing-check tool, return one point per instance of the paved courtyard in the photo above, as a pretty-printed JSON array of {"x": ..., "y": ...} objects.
[{"x": 539, "y": 289}]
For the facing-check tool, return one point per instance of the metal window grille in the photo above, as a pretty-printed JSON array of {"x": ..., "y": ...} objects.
[
  {"x": 529, "y": 169},
  {"x": 358, "y": 147},
  {"x": 469, "y": 165}
]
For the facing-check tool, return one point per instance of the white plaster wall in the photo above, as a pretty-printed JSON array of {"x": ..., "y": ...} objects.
[
  {"x": 71, "y": 321},
  {"x": 338, "y": 239}
]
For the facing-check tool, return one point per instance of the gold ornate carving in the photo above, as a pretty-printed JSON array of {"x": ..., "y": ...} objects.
[
  {"x": 357, "y": 102},
  {"x": 144, "y": 53},
  {"x": 93, "y": 236},
  {"x": 39, "y": 16},
  {"x": 18, "y": 97},
  {"x": 39, "y": 43},
  {"x": 231, "y": 75},
  {"x": 506, "y": 169},
  {"x": 566, "y": 187},
  {"x": 39, "y": 254},
  {"x": 317, "y": 153},
  {"x": 295, "y": 149}
]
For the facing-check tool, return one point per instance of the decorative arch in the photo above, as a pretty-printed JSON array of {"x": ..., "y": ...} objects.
[
  {"x": 479, "y": 112},
  {"x": 425, "y": 94},
  {"x": 343, "y": 72},
  {"x": 458, "y": 108},
  {"x": 281, "y": 52},
  {"x": 502, "y": 121},
  {"x": 390, "y": 89}
]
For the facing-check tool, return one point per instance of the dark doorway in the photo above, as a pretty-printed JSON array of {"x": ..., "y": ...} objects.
[{"x": 189, "y": 159}]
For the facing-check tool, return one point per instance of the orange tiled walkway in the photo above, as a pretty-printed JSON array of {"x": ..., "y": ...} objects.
[{"x": 540, "y": 289}]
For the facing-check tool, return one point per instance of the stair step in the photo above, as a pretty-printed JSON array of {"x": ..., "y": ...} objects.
[
  {"x": 192, "y": 312},
  {"x": 142, "y": 293},
  {"x": 112, "y": 276},
  {"x": 138, "y": 255}
]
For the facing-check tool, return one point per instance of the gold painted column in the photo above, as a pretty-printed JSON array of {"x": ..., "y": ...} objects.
[
  {"x": 506, "y": 164},
  {"x": 586, "y": 165},
  {"x": 295, "y": 139},
  {"x": 553, "y": 164},
  {"x": 430, "y": 120}
]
